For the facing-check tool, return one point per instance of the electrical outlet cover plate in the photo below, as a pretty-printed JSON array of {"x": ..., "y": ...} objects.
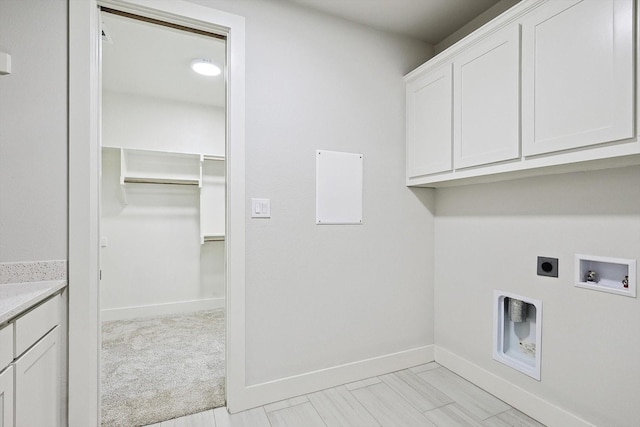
[{"x": 547, "y": 266}]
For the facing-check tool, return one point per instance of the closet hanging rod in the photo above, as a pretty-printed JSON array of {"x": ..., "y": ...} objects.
[
  {"x": 133, "y": 180},
  {"x": 214, "y": 238}
]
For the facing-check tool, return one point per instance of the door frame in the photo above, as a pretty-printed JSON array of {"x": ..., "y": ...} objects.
[{"x": 84, "y": 181}]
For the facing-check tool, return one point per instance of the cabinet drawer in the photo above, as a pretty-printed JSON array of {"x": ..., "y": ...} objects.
[
  {"x": 35, "y": 324},
  {"x": 6, "y": 345}
]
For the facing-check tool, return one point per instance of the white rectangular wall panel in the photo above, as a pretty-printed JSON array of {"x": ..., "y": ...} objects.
[{"x": 339, "y": 178}]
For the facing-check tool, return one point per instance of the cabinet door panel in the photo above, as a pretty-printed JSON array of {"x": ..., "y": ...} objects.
[
  {"x": 429, "y": 123},
  {"x": 577, "y": 74},
  {"x": 487, "y": 101},
  {"x": 37, "y": 397},
  {"x": 6, "y": 397}
]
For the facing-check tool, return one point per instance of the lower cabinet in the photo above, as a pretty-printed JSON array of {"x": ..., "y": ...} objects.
[
  {"x": 6, "y": 397},
  {"x": 30, "y": 368},
  {"x": 37, "y": 383}
]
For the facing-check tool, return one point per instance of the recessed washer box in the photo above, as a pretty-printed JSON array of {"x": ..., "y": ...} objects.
[
  {"x": 606, "y": 274},
  {"x": 517, "y": 343}
]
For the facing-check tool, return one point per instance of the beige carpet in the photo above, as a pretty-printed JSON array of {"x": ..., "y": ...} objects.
[{"x": 160, "y": 368}]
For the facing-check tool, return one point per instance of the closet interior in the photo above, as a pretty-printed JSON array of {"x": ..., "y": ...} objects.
[{"x": 162, "y": 214}]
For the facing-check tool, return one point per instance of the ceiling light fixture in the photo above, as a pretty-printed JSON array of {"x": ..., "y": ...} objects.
[{"x": 206, "y": 67}]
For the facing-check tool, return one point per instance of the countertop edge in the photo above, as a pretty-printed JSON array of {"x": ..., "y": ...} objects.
[{"x": 48, "y": 289}]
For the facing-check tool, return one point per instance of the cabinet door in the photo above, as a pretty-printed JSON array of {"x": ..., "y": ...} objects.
[
  {"x": 486, "y": 99},
  {"x": 429, "y": 123},
  {"x": 37, "y": 397},
  {"x": 6, "y": 397},
  {"x": 577, "y": 74}
]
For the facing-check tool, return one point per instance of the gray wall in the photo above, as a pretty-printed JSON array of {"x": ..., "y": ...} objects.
[
  {"x": 488, "y": 237},
  {"x": 321, "y": 296},
  {"x": 475, "y": 23},
  {"x": 33, "y": 131}
]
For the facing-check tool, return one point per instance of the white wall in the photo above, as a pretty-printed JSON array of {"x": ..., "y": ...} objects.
[
  {"x": 33, "y": 131},
  {"x": 322, "y": 296},
  {"x": 153, "y": 262},
  {"x": 136, "y": 121},
  {"x": 488, "y": 237}
]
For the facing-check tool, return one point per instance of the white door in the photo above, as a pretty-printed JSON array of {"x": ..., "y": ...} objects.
[
  {"x": 429, "y": 123},
  {"x": 577, "y": 74},
  {"x": 486, "y": 99}
]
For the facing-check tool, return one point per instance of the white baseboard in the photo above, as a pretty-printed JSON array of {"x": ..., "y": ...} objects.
[
  {"x": 161, "y": 309},
  {"x": 532, "y": 405},
  {"x": 273, "y": 391}
]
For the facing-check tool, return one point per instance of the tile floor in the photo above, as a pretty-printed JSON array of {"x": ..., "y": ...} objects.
[{"x": 426, "y": 395}]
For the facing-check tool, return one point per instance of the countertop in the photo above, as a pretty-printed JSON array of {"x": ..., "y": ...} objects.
[{"x": 18, "y": 297}]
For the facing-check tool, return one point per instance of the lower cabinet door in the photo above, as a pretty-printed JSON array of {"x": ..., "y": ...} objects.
[
  {"x": 6, "y": 397},
  {"x": 37, "y": 397}
]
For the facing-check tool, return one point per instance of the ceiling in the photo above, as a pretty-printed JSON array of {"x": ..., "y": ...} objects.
[
  {"x": 428, "y": 20},
  {"x": 153, "y": 60}
]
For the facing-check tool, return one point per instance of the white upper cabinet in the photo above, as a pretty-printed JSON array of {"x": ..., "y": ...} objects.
[
  {"x": 486, "y": 99},
  {"x": 429, "y": 123},
  {"x": 549, "y": 86},
  {"x": 577, "y": 74}
]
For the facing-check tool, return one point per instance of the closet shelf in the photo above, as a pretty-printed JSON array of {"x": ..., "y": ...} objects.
[
  {"x": 172, "y": 181},
  {"x": 166, "y": 152},
  {"x": 204, "y": 171}
]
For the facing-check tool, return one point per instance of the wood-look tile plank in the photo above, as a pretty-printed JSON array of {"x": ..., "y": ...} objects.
[
  {"x": 388, "y": 408},
  {"x": 201, "y": 419},
  {"x": 478, "y": 402},
  {"x": 339, "y": 408},
  {"x": 452, "y": 416},
  {"x": 287, "y": 403},
  {"x": 303, "y": 414},
  {"x": 256, "y": 417},
  {"x": 425, "y": 367},
  {"x": 422, "y": 395},
  {"x": 511, "y": 418},
  {"x": 362, "y": 383}
]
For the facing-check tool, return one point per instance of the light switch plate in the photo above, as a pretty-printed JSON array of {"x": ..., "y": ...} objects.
[{"x": 260, "y": 208}]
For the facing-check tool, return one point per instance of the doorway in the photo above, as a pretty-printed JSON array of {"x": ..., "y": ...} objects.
[
  {"x": 162, "y": 220},
  {"x": 84, "y": 182}
]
